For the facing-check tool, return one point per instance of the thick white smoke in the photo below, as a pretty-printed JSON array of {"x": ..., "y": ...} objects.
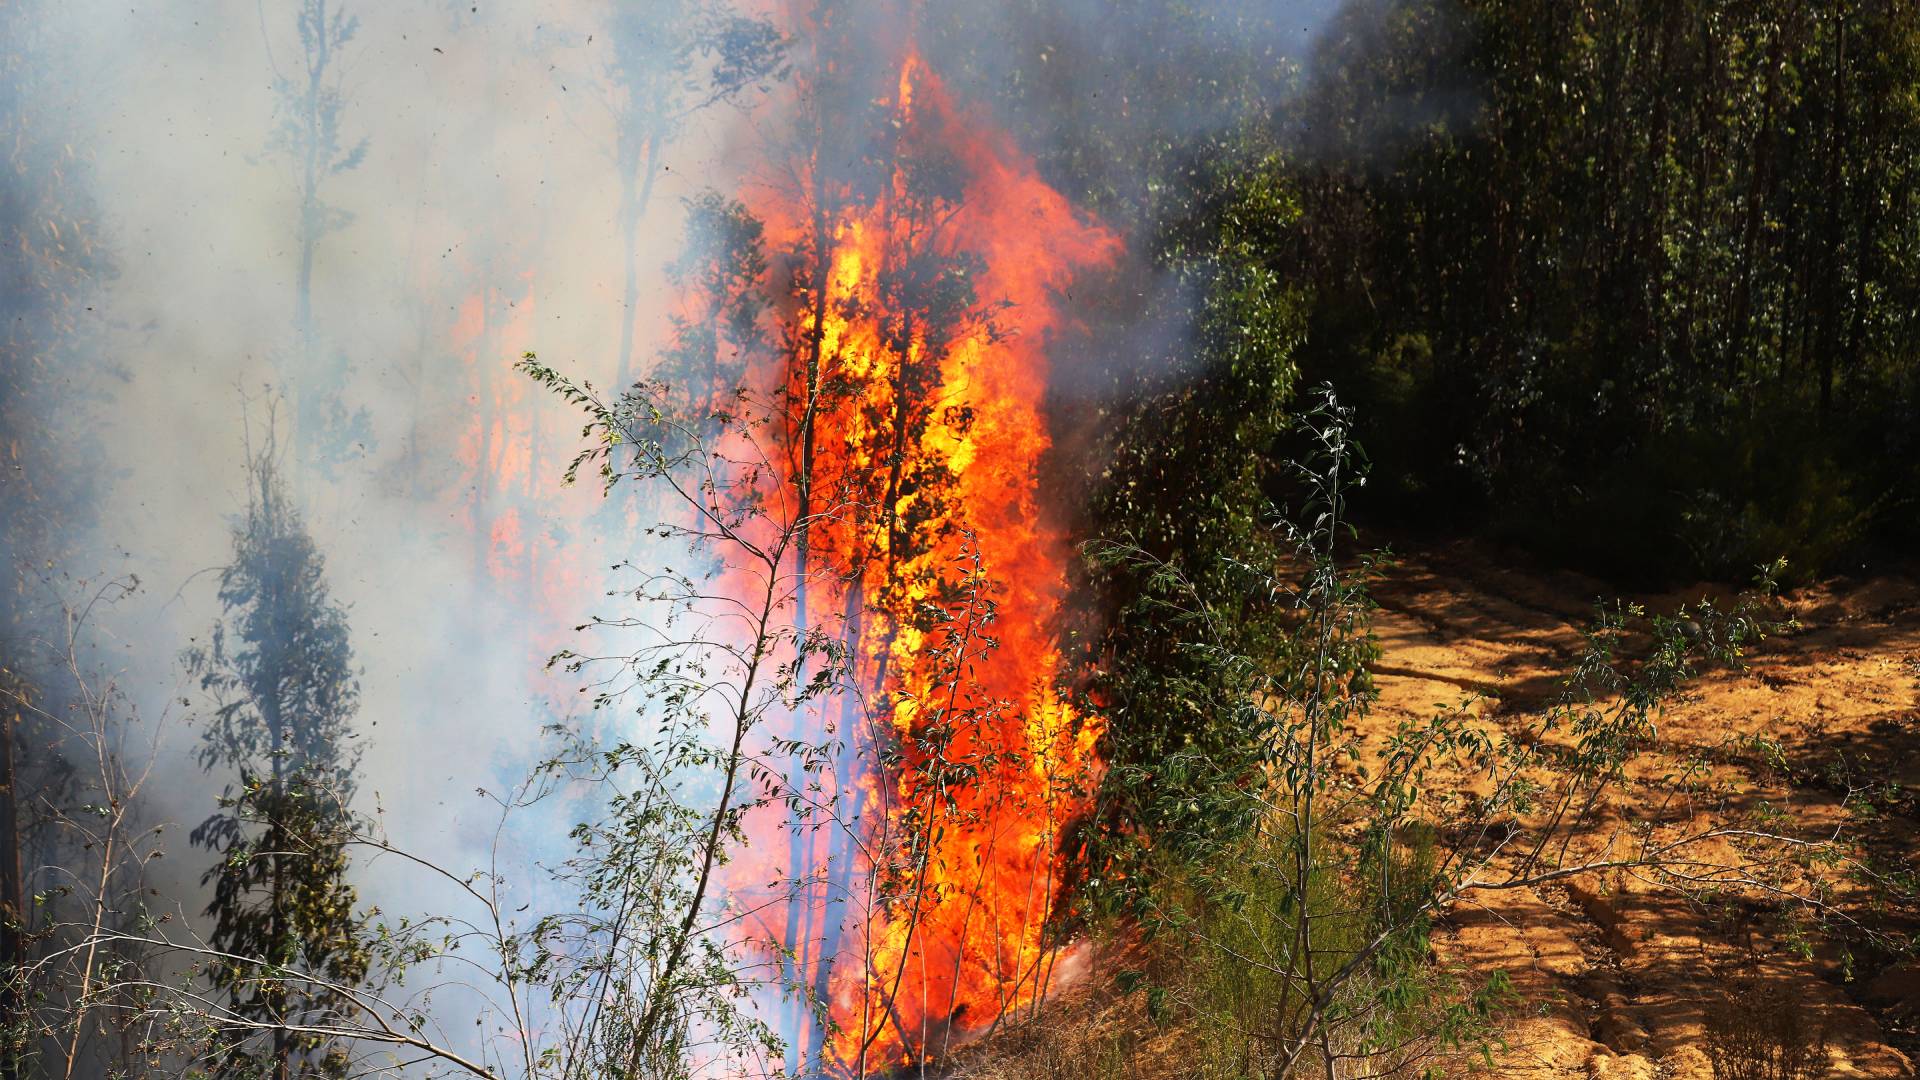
[{"x": 487, "y": 179}]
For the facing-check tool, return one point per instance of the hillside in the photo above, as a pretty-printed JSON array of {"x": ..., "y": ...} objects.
[{"x": 1617, "y": 979}]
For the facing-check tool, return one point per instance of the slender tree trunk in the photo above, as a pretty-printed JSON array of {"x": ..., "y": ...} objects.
[
  {"x": 841, "y": 852},
  {"x": 272, "y": 711},
  {"x": 1867, "y": 227},
  {"x": 923, "y": 852},
  {"x": 1649, "y": 259},
  {"x": 281, "y": 949},
  {"x": 282, "y": 1038},
  {"x": 311, "y": 226},
  {"x": 662, "y": 991},
  {"x": 1758, "y": 186},
  {"x": 801, "y": 916},
  {"x": 1837, "y": 115},
  {"x": 13, "y": 913},
  {"x": 109, "y": 851},
  {"x": 639, "y": 168}
]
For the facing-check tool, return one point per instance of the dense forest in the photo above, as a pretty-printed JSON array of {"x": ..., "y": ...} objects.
[{"x": 668, "y": 539}]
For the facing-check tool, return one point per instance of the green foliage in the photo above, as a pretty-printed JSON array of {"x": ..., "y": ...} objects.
[
  {"x": 279, "y": 668},
  {"x": 656, "y": 993},
  {"x": 1227, "y": 960},
  {"x": 647, "y": 963},
  {"x": 1634, "y": 282},
  {"x": 283, "y": 907},
  {"x": 1189, "y": 468},
  {"x": 1292, "y": 905},
  {"x": 1297, "y": 882}
]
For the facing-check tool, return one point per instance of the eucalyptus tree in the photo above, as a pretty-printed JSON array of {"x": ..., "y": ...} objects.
[
  {"x": 310, "y": 141},
  {"x": 669, "y": 62},
  {"x": 278, "y": 667}
]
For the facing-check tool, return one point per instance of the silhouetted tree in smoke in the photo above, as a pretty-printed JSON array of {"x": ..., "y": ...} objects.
[
  {"x": 670, "y": 61},
  {"x": 308, "y": 102},
  {"x": 279, "y": 667}
]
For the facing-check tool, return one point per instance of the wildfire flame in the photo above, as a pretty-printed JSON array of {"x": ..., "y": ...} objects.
[
  {"x": 501, "y": 491},
  {"x": 917, "y": 319},
  {"x": 932, "y": 330}
]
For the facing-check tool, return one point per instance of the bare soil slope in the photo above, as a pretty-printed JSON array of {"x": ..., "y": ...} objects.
[
  {"x": 1624, "y": 975},
  {"x": 1618, "y": 978}
]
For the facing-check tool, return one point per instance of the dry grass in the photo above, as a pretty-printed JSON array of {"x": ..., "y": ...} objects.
[
  {"x": 1087, "y": 1034},
  {"x": 1759, "y": 1030}
]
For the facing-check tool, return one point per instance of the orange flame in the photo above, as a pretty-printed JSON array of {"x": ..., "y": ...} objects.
[
  {"x": 942, "y": 572},
  {"x": 973, "y": 763},
  {"x": 502, "y": 490}
]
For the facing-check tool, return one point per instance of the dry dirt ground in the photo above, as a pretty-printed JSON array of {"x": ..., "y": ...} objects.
[
  {"x": 1623, "y": 974},
  {"x": 1618, "y": 977}
]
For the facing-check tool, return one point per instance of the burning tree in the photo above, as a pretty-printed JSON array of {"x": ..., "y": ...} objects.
[
  {"x": 882, "y": 370},
  {"x": 918, "y": 361}
]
